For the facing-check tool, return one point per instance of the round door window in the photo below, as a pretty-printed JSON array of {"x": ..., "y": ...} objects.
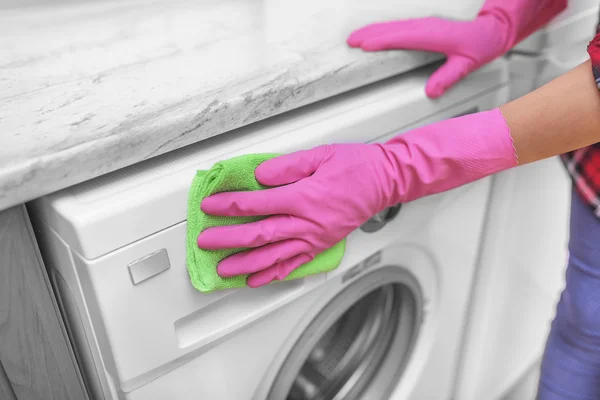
[{"x": 359, "y": 344}]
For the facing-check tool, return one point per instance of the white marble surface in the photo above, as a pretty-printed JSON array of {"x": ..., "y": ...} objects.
[{"x": 87, "y": 88}]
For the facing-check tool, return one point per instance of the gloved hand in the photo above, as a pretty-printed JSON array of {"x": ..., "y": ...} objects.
[
  {"x": 331, "y": 190},
  {"x": 468, "y": 45}
]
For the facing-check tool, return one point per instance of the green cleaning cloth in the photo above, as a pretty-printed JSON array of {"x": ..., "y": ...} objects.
[{"x": 236, "y": 174}]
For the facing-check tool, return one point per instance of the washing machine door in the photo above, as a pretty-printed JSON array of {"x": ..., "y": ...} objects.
[{"x": 359, "y": 343}]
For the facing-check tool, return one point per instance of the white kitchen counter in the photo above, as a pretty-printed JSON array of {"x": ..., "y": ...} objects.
[{"x": 88, "y": 88}]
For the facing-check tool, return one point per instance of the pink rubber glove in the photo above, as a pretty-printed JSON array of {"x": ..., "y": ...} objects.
[
  {"x": 331, "y": 190},
  {"x": 468, "y": 45}
]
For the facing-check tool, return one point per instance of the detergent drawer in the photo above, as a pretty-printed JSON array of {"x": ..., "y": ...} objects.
[{"x": 115, "y": 246}]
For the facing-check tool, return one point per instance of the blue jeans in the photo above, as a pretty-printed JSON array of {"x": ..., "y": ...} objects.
[{"x": 571, "y": 363}]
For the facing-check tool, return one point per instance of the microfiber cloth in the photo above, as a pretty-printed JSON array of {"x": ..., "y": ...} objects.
[{"x": 235, "y": 174}]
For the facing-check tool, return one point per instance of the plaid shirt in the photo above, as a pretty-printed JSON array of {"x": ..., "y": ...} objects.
[{"x": 584, "y": 164}]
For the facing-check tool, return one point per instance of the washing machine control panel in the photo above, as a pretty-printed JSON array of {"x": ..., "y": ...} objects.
[{"x": 380, "y": 219}]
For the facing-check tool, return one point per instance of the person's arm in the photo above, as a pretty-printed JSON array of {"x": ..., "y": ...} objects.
[
  {"x": 559, "y": 117},
  {"x": 323, "y": 194}
]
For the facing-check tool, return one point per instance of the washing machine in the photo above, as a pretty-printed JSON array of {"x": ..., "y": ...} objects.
[{"x": 386, "y": 324}]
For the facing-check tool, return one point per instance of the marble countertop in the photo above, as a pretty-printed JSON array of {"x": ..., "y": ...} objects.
[{"x": 92, "y": 87}]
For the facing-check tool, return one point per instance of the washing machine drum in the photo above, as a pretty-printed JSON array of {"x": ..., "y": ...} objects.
[{"x": 358, "y": 345}]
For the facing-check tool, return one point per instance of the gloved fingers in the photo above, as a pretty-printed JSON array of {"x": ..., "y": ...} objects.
[
  {"x": 250, "y": 261},
  {"x": 253, "y": 234},
  {"x": 356, "y": 38},
  {"x": 244, "y": 204},
  {"x": 446, "y": 76},
  {"x": 279, "y": 271},
  {"x": 290, "y": 168},
  {"x": 428, "y": 34}
]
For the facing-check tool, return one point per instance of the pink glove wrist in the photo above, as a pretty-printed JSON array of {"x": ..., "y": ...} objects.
[
  {"x": 449, "y": 154},
  {"x": 521, "y": 18}
]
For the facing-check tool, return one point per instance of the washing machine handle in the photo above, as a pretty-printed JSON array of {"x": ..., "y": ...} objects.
[{"x": 381, "y": 219}]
